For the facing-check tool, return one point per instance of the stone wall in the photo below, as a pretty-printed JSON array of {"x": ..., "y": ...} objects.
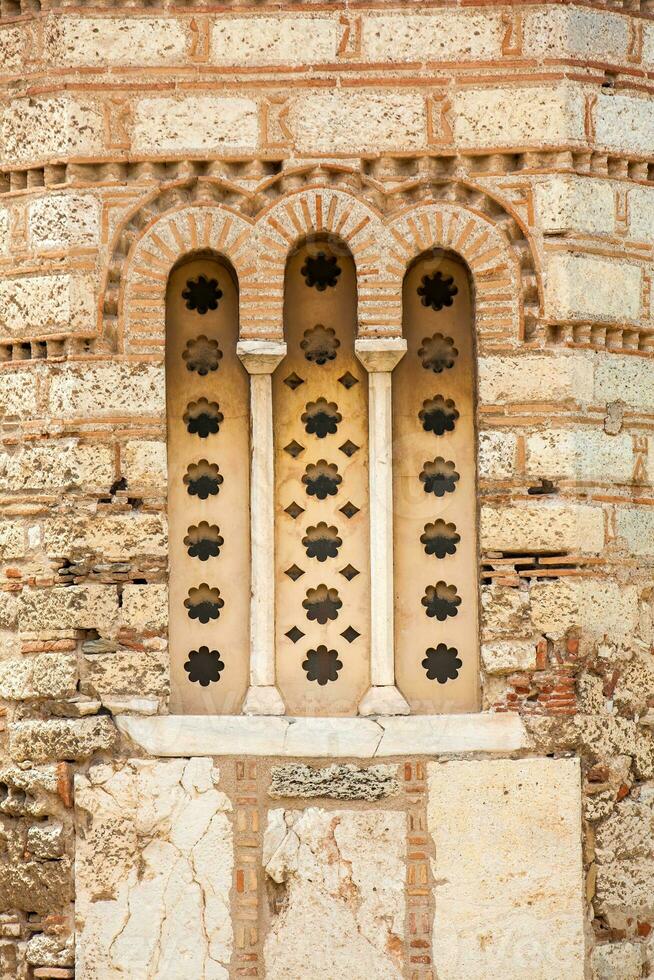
[{"x": 518, "y": 135}]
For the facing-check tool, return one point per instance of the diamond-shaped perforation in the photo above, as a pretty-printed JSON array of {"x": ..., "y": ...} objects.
[
  {"x": 293, "y": 381},
  {"x": 349, "y": 509},
  {"x": 294, "y": 449},
  {"x": 294, "y": 510},
  {"x": 348, "y": 380},
  {"x": 349, "y": 448},
  {"x": 294, "y": 634},
  {"x": 350, "y": 634},
  {"x": 349, "y": 572},
  {"x": 294, "y": 572}
]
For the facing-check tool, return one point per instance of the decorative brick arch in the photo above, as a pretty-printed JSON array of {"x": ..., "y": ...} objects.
[
  {"x": 316, "y": 210},
  {"x": 495, "y": 267},
  {"x": 142, "y": 299}
]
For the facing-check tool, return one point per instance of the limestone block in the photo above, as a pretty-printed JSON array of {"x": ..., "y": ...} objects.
[
  {"x": 46, "y": 840},
  {"x": 69, "y": 607},
  {"x": 617, "y": 961},
  {"x": 535, "y": 378},
  {"x": 567, "y": 203},
  {"x": 575, "y": 32},
  {"x": 145, "y": 608},
  {"x": 144, "y": 465},
  {"x": 342, "y": 781},
  {"x": 518, "y": 115},
  {"x": 50, "y": 128},
  {"x": 581, "y": 454},
  {"x": 48, "y": 675},
  {"x": 624, "y": 378},
  {"x": 544, "y": 527},
  {"x": 46, "y": 304},
  {"x": 648, "y": 45},
  {"x": 17, "y": 395},
  {"x": 4, "y": 231},
  {"x": 286, "y": 40},
  {"x": 195, "y": 124},
  {"x": 590, "y": 287},
  {"x": 36, "y": 886},
  {"x": 443, "y": 35},
  {"x": 115, "y": 389},
  {"x": 496, "y": 455},
  {"x": 505, "y": 612},
  {"x": 154, "y": 838},
  {"x": 507, "y": 656},
  {"x": 114, "y": 538},
  {"x": 624, "y": 123},
  {"x": 640, "y": 213},
  {"x": 42, "y": 741},
  {"x": 55, "y": 950},
  {"x": 344, "y": 875},
  {"x": 508, "y": 869},
  {"x": 126, "y": 672},
  {"x": 12, "y": 40},
  {"x": 635, "y": 525},
  {"x": 337, "y": 121},
  {"x": 61, "y": 221},
  {"x": 95, "y": 41},
  {"x": 12, "y": 540},
  {"x": 596, "y": 606},
  {"x": 57, "y": 466},
  {"x": 8, "y": 610}
]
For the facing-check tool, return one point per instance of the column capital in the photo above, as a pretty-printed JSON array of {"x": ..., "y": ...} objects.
[
  {"x": 380, "y": 353},
  {"x": 261, "y": 356}
]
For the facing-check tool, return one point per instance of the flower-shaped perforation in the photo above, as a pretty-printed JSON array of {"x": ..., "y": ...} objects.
[
  {"x": 320, "y": 270},
  {"x": 204, "y": 666},
  {"x": 202, "y": 355},
  {"x": 321, "y": 418},
  {"x": 437, "y": 353},
  {"x": 203, "y": 418},
  {"x": 322, "y": 541},
  {"x": 441, "y": 600},
  {"x": 322, "y": 604},
  {"x": 438, "y": 415},
  {"x": 203, "y": 603},
  {"x": 440, "y": 538},
  {"x": 203, "y": 541},
  {"x": 437, "y": 291},
  {"x": 439, "y": 476},
  {"x": 320, "y": 344},
  {"x": 202, "y": 294},
  {"x": 322, "y": 665},
  {"x": 442, "y": 664},
  {"x": 321, "y": 479},
  {"x": 203, "y": 479}
]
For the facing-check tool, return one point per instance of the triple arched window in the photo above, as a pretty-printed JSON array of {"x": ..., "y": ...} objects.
[{"x": 362, "y": 538}]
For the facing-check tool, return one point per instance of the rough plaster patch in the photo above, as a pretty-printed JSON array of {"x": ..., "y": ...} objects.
[
  {"x": 508, "y": 869},
  {"x": 153, "y": 872},
  {"x": 344, "y": 876}
]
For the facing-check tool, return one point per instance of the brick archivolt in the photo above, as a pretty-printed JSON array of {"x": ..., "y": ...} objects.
[{"x": 190, "y": 217}]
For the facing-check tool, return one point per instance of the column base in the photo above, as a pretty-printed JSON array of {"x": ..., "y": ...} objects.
[
  {"x": 385, "y": 700},
  {"x": 262, "y": 700}
]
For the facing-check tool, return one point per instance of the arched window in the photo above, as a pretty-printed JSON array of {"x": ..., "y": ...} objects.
[
  {"x": 435, "y": 506},
  {"x": 320, "y": 411},
  {"x": 207, "y": 394}
]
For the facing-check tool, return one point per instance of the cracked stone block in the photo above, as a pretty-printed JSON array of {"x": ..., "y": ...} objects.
[
  {"x": 343, "y": 872},
  {"x": 340, "y": 782},
  {"x": 153, "y": 871},
  {"x": 508, "y": 869}
]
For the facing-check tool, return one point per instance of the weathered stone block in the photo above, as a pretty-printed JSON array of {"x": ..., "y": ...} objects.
[
  {"x": 544, "y": 527},
  {"x": 94, "y": 41},
  {"x": 595, "y": 606},
  {"x": 144, "y": 466},
  {"x": 47, "y": 675},
  {"x": 344, "y": 875},
  {"x": 145, "y": 608},
  {"x": 496, "y": 455},
  {"x": 569, "y": 203},
  {"x": 70, "y": 607},
  {"x": 57, "y": 466},
  {"x": 617, "y": 961},
  {"x": 505, "y": 612},
  {"x": 635, "y": 525},
  {"x": 126, "y": 672},
  {"x": 286, "y": 40},
  {"x": 171, "y": 853},
  {"x": 575, "y": 32},
  {"x": 42, "y": 741},
  {"x": 580, "y": 454},
  {"x": 47, "y": 128},
  {"x": 340, "y": 782},
  {"x": 12, "y": 540},
  {"x": 442, "y": 35},
  {"x": 61, "y": 221},
  {"x": 620, "y": 377},
  {"x": 17, "y": 395},
  {"x": 624, "y": 123},
  {"x": 507, "y": 656},
  {"x": 520, "y": 838},
  {"x": 534, "y": 378},
  {"x": 46, "y": 304},
  {"x": 194, "y": 124},
  {"x": 36, "y": 886},
  {"x": 518, "y": 116},
  {"x": 46, "y": 840},
  {"x": 98, "y": 390},
  {"x": 328, "y": 121},
  {"x": 589, "y": 287},
  {"x": 116, "y": 538}
]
